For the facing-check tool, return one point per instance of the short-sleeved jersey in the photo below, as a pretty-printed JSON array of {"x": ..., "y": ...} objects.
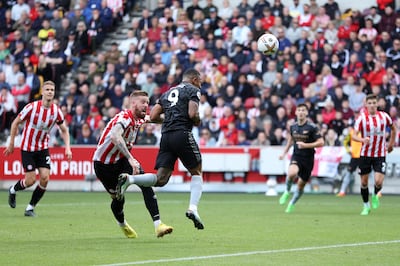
[
  {"x": 38, "y": 122},
  {"x": 374, "y": 127},
  {"x": 106, "y": 152},
  {"x": 175, "y": 103},
  {"x": 306, "y": 133}
]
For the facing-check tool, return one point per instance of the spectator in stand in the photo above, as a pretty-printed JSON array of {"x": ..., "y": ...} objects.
[
  {"x": 328, "y": 112},
  {"x": 291, "y": 88},
  {"x": 375, "y": 77},
  {"x": 93, "y": 118},
  {"x": 267, "y": 20},
  {"x": 241, "y": 31},
  {"x": 147, "y": 136},
  {"x": 6, "y": 26},
  {"x": 110, "y": 13},
  {"x": 18, "y": 9},
  {"x": 261, "y": 140},
  {"x": 332, "y": 9},
  {"x": 393, "y": 99},
  {"x": 356, "y": 99},
  {"x": 307, "y": 76},
  {"x": 8, "y": 108},
  {"x": 86, "y": 137},
  {"x": 331, "y": 139},
  {"x": 95, "y": 29},
  {"x": 305, "y": 18},
  {"x": 388, "y": 20},
  {"x": 368, "y": 30},
  {"x": 293, "y": 33},
  {"x": 345, "y": 29}
]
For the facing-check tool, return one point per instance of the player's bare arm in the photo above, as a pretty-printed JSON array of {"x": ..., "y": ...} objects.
[
  {"x": 318, "y": 143},
  {"x": 392, "y": 138},
  {"x": 194, "y": 112},
  {"x": 156, "y": 114},
  {"x": 13, "y": 132},
  {"x": 116, "y": 137},
  {"x": 358, "y": 138},
  {"x": 289, "y": 144},
  {"x": 66, "y": 138}
]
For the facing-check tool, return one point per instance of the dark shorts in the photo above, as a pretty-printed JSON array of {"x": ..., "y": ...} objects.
[
  {"x": 32, "y": 160},
  {"x": 178, "y": 144},
  {"x": 368, "y": 163},
  {"x": 305, "y": 166},
  {"x": 354, "y": 162},
  {"x": 108, "y": 173}
]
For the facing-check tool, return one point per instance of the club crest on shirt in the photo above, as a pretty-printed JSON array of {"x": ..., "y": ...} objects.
[{"x": 29, "y": 167}]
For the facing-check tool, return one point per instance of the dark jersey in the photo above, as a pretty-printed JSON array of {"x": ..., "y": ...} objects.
[
  {"x": 175, "y": 103},
  {"x": 306, "y": 133}
]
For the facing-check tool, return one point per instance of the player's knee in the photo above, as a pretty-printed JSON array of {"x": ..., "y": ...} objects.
[{"x": 162, "y": 181}]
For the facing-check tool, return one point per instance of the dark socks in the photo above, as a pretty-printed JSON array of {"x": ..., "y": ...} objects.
[
  {"x": 19, "y": 185},
  {"x": 377, "y": 189},
  {"x": 365, "y": 194},
  {"x": 37, "y": 195},
  {"x": 117, "y": 207},
  {"x": 150, "y": 199}
]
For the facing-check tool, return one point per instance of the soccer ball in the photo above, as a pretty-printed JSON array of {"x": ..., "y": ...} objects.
[{"x": 268, "y": 44}]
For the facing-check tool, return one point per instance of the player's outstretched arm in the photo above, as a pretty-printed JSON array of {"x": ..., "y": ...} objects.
[{"x": 156, "y": 114}]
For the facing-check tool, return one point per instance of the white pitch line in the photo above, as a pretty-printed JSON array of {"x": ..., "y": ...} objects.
[{"x": 253, "y": 253}]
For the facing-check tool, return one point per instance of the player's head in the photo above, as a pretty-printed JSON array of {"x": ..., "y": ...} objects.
[
  {"x": 139, "y": 103},
  {"x": 371, "y": 102},
  {"x": 192, "y": 76},
  {"x": 48, "y": 90},
  {"x": 301, "y": 112}
]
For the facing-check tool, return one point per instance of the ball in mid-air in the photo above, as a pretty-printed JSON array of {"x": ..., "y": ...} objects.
[{"x": 268, "y": 44}]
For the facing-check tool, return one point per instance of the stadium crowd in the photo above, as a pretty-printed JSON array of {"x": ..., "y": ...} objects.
[{"x": 328, "y": 58}]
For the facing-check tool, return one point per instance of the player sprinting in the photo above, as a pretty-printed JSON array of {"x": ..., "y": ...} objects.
[
  {"x": 180, "y": 108},
  {"x": 38, "y": 118},
  {"x": 112, "y": 157},
  {"x": 372, "y": 124},
  {"x": 305, "y": 137}
]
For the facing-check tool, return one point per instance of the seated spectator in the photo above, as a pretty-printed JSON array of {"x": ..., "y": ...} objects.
[
  {"x": 8, "y": 108},
  {"x": 356, "y": 99},
  {"x": 328, "y": 112},
  {"x": 261, "y": 140},
  {"x": 307, "y": 76},
  {"x": 375, "y": 76},
  {"x": 86, "y": 137},
  {"x": 147, "y": 137},
  {"x": 338, "y": 124},
  {"x": 277, "y": 137},
  {"x": 43, "y": 33},
  {"x": 331, "y": 138},
  {"x": 206, "y": 139},
  {"x": 345, "y": 29},
  {"x": 93, "y": 118}
]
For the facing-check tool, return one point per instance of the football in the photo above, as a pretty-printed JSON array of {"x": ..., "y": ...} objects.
[{"x": 268, "y": 44}]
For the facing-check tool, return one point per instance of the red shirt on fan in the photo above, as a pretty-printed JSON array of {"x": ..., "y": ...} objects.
[
  {"x": 374, "y": 127},
  {"x": 38, "y": 123},
  {"x": 106, "y": 151}
]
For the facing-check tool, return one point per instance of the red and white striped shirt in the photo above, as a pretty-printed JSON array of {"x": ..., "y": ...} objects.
[
  {"x": 38, "y": 122},
  {"x": 106, "y": 152},
  {"x": 374, "y": 127}
]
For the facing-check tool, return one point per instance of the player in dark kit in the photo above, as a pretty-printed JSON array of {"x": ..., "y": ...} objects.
[
  {"x": 304, "y": 136},
  {"x": 180, "y": 108}
]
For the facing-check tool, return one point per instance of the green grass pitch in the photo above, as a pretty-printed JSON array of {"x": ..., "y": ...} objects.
[{"x": 77, "y": 228}]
